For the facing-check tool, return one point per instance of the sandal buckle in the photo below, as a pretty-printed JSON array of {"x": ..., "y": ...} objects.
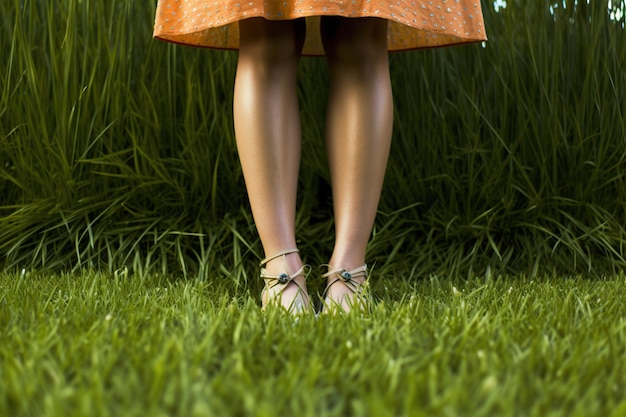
[
  {"x": 346, "y": 276},
  {"x": 283, "y": 278}
]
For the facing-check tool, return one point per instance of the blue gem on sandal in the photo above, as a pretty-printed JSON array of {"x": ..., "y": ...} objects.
[
  {"x": 346, "y": 275},
  {"x": 283, "y": 278}
]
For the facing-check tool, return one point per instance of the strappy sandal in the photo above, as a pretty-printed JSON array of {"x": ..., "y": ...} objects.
[
  {"x": 357, "y": 298},
  {"x": 271, "y": 295}
]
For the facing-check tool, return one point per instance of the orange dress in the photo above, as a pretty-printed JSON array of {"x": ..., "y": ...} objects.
[{"x": 413, "y": 23}]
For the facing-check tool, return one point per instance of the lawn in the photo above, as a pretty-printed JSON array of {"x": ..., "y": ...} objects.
[{"x": 94, "y": 344}]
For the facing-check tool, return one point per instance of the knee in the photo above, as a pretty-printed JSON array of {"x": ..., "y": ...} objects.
[
  {"x": 270, "y": 44},
  {"x": 356, "y": 44}
]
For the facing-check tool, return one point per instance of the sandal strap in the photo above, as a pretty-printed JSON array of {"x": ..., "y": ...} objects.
[
  {"x": 284, "y": 278},
  {"x": 278, "y": 255},
  {"x": 347, "y": 278},
  {"x": 345, "y": 275}
]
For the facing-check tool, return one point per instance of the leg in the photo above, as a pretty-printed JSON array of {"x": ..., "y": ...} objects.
[
  {"x": 358, "y": 133},
  {"x": 267, "y": 128}
]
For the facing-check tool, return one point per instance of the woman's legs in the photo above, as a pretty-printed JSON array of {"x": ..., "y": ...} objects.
[
  {"x": 358, "y": 133},
  {"x": 267, "y": 128}
]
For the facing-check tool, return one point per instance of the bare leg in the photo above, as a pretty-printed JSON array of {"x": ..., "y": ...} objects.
[
  {"x": 267, "y": 128},
  {"x": 358, "y": 133}
]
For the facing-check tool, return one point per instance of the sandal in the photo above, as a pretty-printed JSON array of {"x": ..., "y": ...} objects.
[
  {"x": 357, "y": 297},
  {"x": 271, "y": 295}
]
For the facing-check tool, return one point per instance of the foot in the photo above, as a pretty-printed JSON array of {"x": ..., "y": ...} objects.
[
  {"x": 345, "y": 290},
  {"x": 285, "y": 283}
]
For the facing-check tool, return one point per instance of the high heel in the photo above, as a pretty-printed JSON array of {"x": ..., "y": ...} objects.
[
  {"x": 356, "y": 298},
  {"x": 271, "y": 295}
]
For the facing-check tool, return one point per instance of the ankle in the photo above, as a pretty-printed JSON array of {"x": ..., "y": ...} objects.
[
  {"x": 347, "y": 259},
  {"x": 346, "y": 264},
  {"x": 345, "y": 276},
  {"x": 289, "y": 264}
]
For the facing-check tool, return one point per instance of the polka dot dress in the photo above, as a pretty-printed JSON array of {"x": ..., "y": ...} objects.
[{"x": 413, "y": 23}]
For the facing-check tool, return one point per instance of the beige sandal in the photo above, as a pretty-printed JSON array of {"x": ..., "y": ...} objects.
[
  {"x": 358, "y": 296},
  {"x": 276, "y": 284}
]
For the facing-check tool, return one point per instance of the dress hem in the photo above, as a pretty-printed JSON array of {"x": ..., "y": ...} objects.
[{"x": 320, "y": 55}]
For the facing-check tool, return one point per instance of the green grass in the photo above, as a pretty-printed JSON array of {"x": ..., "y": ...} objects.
[
  {"x": 109, "y": 345},
  {"x": 117, "y": 151}
]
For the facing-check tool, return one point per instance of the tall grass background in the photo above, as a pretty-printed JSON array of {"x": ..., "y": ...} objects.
[{"x": 117, "y": 151}]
